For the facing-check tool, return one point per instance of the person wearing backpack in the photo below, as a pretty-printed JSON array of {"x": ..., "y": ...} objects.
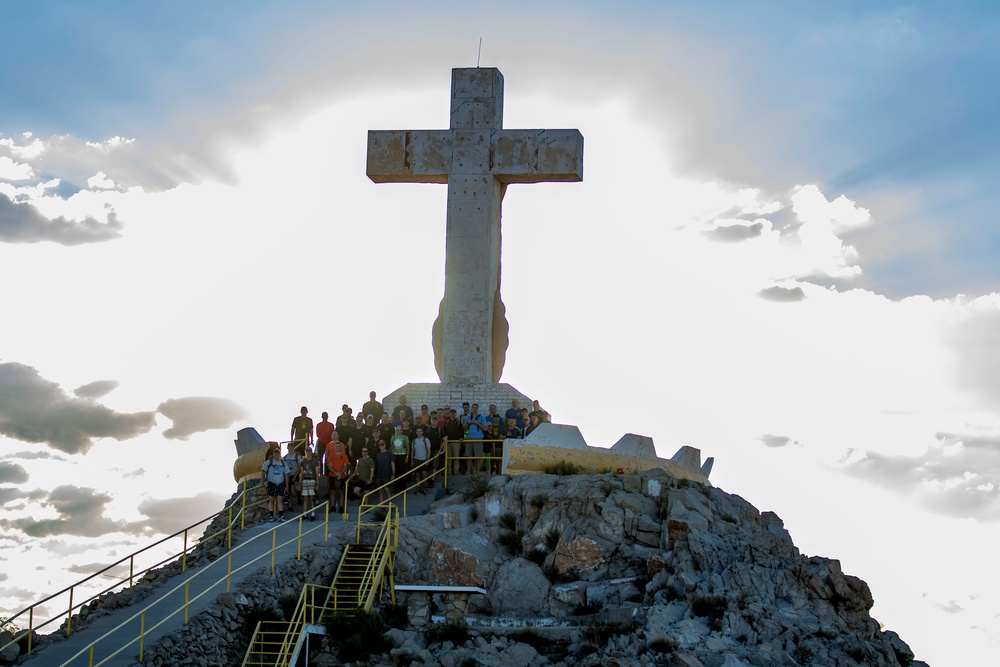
[{"x": 275, "y": 474}]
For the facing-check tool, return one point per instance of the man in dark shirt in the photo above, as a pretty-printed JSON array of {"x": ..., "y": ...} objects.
[
  {"x": 454, "y": 432},
  {"x": 373, "y": 408},
  {"x": 302, "y": 430},
  {"x": 402, "y": 411},
  {"x": 346, "y": 429},
  {"x": 515, "y": 412},
  {"x": 386, "y": 430}
]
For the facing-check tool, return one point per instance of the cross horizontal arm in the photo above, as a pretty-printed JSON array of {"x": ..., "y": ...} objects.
[
  {"x": 515, "y": 156},
  {"x": 409, "y": 156},
  {"x": 536, "y": 156}
]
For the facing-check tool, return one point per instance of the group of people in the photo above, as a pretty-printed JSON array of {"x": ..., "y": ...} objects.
[{"x": 376, "y": 446}]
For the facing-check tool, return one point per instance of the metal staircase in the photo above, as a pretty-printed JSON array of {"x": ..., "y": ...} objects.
[{"x": 363, "y": 575}]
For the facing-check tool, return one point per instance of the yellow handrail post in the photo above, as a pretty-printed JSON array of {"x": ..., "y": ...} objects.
[
  {"x": 447, "y": 464},
  {"x": 229, "y": 529},
  {"x": 131, "y": 569},
  {"x": 91, "y": 655},
  {"x": 243, "y": 508},
  {"x": 187, "y": 585},
  {"x": 274, "y": 542},
  {"x": 184, "y": 554},
  {"x": 142, "y": 633},
  {"x": 31, "y": 627},
  {"x": 69, "y": 614},
  {"x": 298, "y": 552}
]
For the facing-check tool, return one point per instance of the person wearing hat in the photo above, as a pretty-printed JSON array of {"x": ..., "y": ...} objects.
[{"x": 402, "y": 411}]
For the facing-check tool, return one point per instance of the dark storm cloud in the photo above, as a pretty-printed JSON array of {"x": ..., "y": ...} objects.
[
  {"x": 175, "y": 514},
  {"x": 735, "y": 233},
  {"x": 12, "y": 473},
  {"x": 782, "y": 294},
  {"x": 959, "y": 476},
  {"x": 81, "y": 512},
  {"x": 33, "y": 409},
  {"x": 193, "y": 414},
  {"x": 96, "y": 389},
  {"x": 20, "y": 222}
]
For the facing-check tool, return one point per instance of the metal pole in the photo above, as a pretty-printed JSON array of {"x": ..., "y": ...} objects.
[
  {"x": 184, "y": 556},
  {"x": 187, "y": 584},
  {"x": 274, "y": 542},
  {"x": 69, "y": 615},
  {"x": 142, "y": 633},
  {"x": 131, "y": 569}
]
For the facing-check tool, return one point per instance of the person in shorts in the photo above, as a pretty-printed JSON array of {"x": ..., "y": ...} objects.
[
  {"x": 338, "y": 469},
  {"x": 308, "y": 474},
  {"x": 274, "y": 473}
]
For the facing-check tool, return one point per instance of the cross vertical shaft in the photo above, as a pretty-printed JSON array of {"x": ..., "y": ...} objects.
[{"x": 477, "y": 158}]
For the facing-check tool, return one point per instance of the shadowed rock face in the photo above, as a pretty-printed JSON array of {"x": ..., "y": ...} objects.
[
  {"x": 700, "y": 573},
  {"x": 665, "y": 571}
]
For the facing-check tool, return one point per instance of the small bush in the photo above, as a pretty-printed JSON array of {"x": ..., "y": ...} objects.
[
  {"x": 512, "y": 542},
  {"x": 708, "y": 606},
  {"x": 538, "y": 501},
  {"x": 552, "y": 539},
  {"x": 587, "y": 609},
  {"x": 475, "y": 487},
  {"x": 395, "y": 616},
  {"x": 553, "y": 575},
  {"x": 358, "y": 636},
  {"x": 662, "y": 644},
  {"x": 599, "y": 632},
  {"x": 258, "y": 614},
  {"x": 538, "y": 556},
  {"x": 562, "y": 468},
  {"x": 803, "y": 655},
  {"x": 288, "y": 603},
  {"x": 531, "y": 638},
  {"x": 508, "y": 521},
  {"x": 456, "y": 632}
]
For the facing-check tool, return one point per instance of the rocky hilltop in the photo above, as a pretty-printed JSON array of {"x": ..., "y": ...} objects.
[{"x": 597, "y": 570}]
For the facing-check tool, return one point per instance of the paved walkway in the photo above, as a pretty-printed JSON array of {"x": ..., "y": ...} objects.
[{"x": 168, "y": 596}]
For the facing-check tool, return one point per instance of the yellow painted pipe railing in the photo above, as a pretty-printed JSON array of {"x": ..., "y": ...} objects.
[
  {"x": 184, "y": 608},
  {"x": 133, "y": 574}
]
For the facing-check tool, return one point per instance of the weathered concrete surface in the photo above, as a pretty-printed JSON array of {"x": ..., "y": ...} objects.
[
  {"x": 477, "y": 159},
  {"x": 550, "y": 444}
]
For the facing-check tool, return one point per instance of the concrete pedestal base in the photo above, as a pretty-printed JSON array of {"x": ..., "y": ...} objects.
[{"x": 439, "y": 394}]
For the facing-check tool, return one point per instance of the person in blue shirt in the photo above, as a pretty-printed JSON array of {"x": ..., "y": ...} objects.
[{"x": 477, "y": 431}]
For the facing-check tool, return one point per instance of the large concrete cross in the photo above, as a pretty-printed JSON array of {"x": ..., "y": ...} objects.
[{"x": 477, "y": 158}]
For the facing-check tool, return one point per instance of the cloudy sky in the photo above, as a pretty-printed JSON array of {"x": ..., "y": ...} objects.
[{"x": 782, "y": 253}]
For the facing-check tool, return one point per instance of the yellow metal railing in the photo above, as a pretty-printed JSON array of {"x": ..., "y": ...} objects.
[
  {"x": 277, "y": 647},
  {"x": 487, "y": 459},
  {"x": 188, "y": 601},
  {"x": 133, "y": 574}
]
